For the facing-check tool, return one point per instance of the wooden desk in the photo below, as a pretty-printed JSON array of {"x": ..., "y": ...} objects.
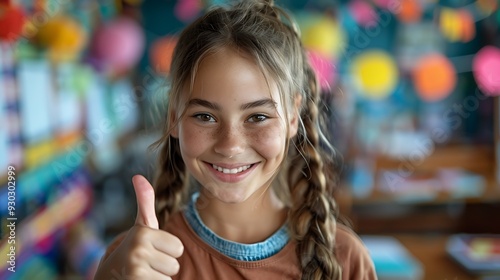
[
  {"x": 478, "y": 159},
  {"x": 430, "y": 250}
]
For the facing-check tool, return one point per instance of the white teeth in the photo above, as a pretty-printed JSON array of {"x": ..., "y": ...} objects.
[{"x": 231, "y": 171}]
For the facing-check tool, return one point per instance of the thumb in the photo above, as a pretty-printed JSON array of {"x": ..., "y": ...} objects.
[{"x": 146, "y": 215}]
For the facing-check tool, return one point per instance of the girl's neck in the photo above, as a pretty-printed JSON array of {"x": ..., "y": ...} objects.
[{"x": 248, "y": 222}]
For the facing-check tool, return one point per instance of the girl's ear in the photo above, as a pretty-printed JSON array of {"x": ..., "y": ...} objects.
[
  {"x": 295, "y": 116},
  {"x": 174, "y": 131}
]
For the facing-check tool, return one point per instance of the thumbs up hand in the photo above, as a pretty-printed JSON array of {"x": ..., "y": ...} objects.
[
  {"x": 146, "y": 214},
  {"x": 146, "y": 252}
]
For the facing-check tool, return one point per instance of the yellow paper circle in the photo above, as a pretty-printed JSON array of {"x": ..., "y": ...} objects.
[
  {"x": 375, "y": 73},
  {"x": 324, "y": 36},
  {"x": 64, "y": 38}
]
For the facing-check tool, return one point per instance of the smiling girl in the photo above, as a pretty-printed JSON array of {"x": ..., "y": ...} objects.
[{"x": 243, "y": 189}]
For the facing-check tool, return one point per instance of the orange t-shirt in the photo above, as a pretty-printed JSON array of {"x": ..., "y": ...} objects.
[{"x": 200, "y": 261}]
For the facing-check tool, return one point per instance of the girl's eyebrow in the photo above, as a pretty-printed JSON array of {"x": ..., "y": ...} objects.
[
  {"x": 267, "y": 102},
  {"x": 203, "y": 103}
]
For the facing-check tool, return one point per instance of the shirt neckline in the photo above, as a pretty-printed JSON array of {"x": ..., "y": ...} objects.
[{"x": 238, "y": 251}]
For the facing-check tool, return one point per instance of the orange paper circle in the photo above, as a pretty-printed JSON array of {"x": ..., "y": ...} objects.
[
  {"x": 434, "y": 77},
  {"x": 468, "y": 26},
  {"x": 160, "y": 54},
  {"x": 410, "y": 11}
]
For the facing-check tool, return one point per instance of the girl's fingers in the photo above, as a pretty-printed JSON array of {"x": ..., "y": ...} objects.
[
  {"x": 164, "y": 264},
  {"x": 154, "y": 275},
  {"x": 168, "y": 244},
  {"x": 154, "y": 248}
]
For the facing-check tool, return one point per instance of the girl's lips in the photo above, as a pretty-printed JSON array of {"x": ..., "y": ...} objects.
[{"x": 231, "y": 173}]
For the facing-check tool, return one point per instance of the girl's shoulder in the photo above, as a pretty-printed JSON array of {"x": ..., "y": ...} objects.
[{"x": 353, "y": 255}]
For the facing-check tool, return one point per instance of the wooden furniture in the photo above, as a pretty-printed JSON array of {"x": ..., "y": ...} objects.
[
  {"x": 383, "y": 213},
  {"x": 430, "y": 250},
  {"x": 478, "y": 159}
]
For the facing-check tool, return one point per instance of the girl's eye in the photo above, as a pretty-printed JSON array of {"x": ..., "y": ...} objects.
[
  {"x": 257, "y": 118},
  {"x": 204, "y": 117}
]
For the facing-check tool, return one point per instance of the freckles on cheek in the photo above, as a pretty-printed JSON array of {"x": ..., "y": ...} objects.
[
  {"x": 270, "y": 141},
  {"x": 192, "y": 141}
]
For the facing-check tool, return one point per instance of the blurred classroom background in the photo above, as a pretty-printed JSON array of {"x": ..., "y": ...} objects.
[{"x": 410, "y": 88}]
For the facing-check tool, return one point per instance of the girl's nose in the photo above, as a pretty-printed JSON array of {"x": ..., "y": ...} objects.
[{"x": 230, "y": 141}]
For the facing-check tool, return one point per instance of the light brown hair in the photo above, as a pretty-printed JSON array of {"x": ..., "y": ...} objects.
[{"x": 269, "y": 36}]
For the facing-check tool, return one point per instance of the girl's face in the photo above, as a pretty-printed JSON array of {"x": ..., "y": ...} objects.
[{"x": 233, "y": 133}]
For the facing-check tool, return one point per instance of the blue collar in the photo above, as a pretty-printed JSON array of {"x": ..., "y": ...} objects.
[{"x": 238, "y": 251}]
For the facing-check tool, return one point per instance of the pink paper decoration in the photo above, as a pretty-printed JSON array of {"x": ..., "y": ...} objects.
[
  {"x": 486, "y": 69},
  {"x": 386, "y": 4},
  {"x": 186, "y": 10},
  {"x": 363, "y": 13},
  {"x": 324, "y": 69},
  {"x": 119, "y": 44}
]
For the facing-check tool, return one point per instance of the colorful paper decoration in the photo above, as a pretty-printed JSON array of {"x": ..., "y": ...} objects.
[
  {"x": 384, "y": 4},
  {"x": 487, "y": 6},
  {"x": 468, "y": 25},
  {"x": 410, "y": 11},
  {"x": 160, "y": 54},
  {"x": 375, "y": 73},
  {"x": 362, "y": 12},
  {"x": 81, "y": 79},
  {"x": 12, "y": 20},
  {"x": 187, "y": 10},
  {"x": 11, "y": 116},
  {"x": 118, "y": 44},
  {"x": 434, "y": 77},
  {"x": 63, "y": 37},
  {"x": 457, "y": 25},
  {"x": 486, "y": 69},
  {"x": 324, "y": 69},
  {"x": 325, "y": 36}
]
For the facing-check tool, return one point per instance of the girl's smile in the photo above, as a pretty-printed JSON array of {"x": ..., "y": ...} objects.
[{"x": 231, "y": 173}]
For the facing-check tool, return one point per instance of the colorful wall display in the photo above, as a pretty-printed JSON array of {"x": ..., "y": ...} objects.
[
  {"x": 434, "y": 77},
  {"x": 486, "y": 69},
  {"x": 375, "y": 74}
]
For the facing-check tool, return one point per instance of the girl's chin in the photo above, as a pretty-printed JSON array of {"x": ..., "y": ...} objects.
[
  {"x": 231, "y": 198},
  {"x": 225, "y": 196}
]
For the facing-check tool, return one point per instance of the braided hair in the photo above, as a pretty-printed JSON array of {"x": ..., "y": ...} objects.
[{"x": 267, "y": 33}]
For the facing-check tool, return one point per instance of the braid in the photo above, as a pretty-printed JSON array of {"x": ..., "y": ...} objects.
[
  {"x": 170, "y": 180},
  {"x": 268, "y": 34},
  {"x": 313, "y": 212}
]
